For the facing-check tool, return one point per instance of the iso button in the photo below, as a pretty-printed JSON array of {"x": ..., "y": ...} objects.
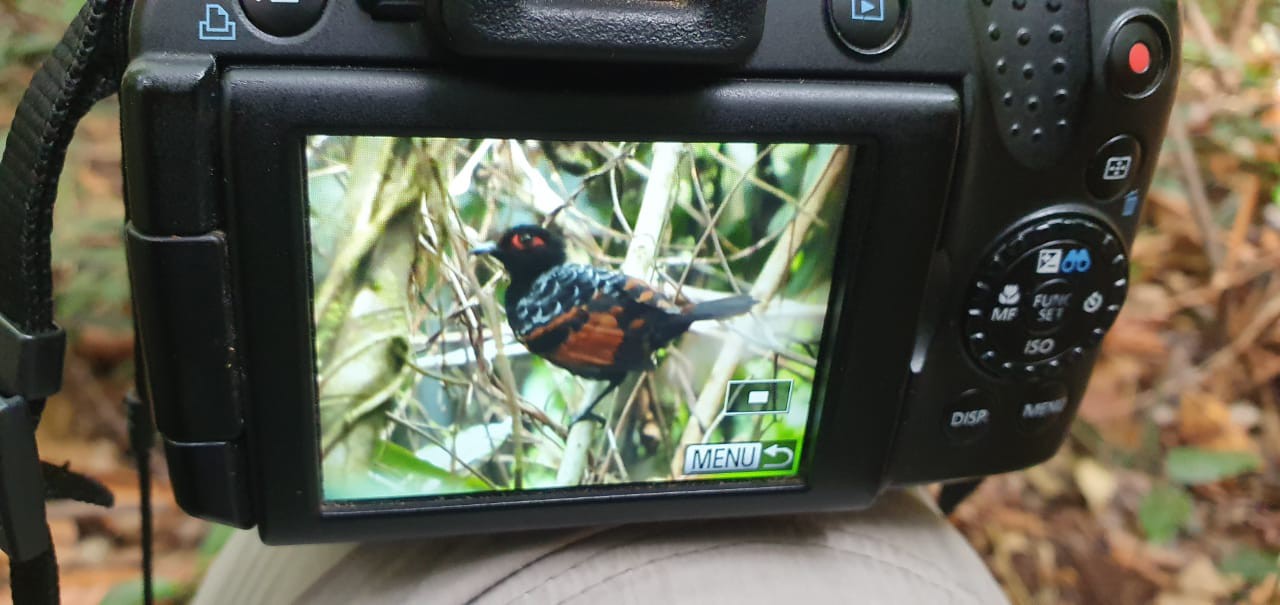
[
  {"x": 283, "y": 18},
  {"x": 868, "y": 27}
]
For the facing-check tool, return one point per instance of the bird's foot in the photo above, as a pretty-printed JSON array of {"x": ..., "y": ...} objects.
[{"x": 588, "y": 416}]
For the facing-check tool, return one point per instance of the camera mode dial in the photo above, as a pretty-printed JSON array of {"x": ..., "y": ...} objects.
[{"x": 1047, "y": 295}]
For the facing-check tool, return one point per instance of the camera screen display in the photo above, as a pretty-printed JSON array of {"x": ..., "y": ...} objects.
[{"x": 503, "y": 316}]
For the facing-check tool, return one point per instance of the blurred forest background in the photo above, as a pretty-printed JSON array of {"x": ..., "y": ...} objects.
[{"x": 1168, "y": 491}]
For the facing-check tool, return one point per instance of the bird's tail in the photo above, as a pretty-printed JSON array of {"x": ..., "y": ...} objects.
[{"x": 723, "y": 308}]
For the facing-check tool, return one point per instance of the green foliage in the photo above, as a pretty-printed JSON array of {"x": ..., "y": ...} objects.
[
  {"x": 1195, "y": 466},
  {"x": 1163, "y": 512},
  {"x": 20, "y": 41},
  {"x": 130, "y": 593},
  {"x": 1252, "y": 564},
  {"x": 215, "y": 540},
  {"x": 399, "y": 464}
]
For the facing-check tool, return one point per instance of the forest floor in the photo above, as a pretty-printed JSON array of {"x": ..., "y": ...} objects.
[{"x": 1167, "y": 491}]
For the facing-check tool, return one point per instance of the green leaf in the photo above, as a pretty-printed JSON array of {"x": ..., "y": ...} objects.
[
  {"x": 215, "y": 540},
  {"x": 1253, "y": 565},
  {"x": 397, "y": 461},
  {"x": 395, "y": 458},
  {"x": 130, "y": 593},
  {"x": 1163, "y": 512},
  {"x": 1195, "y": 466}
]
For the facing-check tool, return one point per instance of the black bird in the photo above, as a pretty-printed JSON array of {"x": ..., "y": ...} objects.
[{"x": 595, "y": 323}]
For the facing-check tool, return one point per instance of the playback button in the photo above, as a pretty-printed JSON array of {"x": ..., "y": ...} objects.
[{"x": 868, "y": 27}]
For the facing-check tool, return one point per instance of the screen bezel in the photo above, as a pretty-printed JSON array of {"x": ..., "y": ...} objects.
[{"x": 905, "y": 139}]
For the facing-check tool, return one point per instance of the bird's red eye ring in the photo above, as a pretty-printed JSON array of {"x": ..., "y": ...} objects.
[
  {"x": 518, "y": 241},
  {"x": 538, "y": 242}
]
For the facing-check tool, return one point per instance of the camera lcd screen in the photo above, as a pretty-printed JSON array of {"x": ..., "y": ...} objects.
[{"x": 500, "y": 316}]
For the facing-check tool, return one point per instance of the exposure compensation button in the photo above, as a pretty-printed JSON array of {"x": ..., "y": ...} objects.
[{"x": 1047, "y": 295}]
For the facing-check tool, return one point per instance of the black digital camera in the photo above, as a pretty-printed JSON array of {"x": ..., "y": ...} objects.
[{"x": 414, "y": 267}]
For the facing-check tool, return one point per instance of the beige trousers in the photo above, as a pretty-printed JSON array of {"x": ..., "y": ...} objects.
[{"x": 899, "y": 551}]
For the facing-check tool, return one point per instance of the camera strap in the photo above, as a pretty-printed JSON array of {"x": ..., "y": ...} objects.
[{"x": 84, "y": 68}]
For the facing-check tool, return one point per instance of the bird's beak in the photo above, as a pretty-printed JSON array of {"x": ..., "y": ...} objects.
[{"x": 485, "y": 248}]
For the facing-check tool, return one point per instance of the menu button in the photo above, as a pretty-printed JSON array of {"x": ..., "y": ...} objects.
[{"x": 1043, "y": 407}]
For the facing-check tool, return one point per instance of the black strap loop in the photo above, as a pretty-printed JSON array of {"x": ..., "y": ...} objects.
[{"x": 84, "y": 68}]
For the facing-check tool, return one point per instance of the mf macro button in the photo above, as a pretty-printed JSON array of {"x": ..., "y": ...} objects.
[
  {"x": 283, "y": 18},
  {"x": 1137, "y": 60},
  {"x": 868, "y": 27},
  {"x": 1046, "y": 296}
]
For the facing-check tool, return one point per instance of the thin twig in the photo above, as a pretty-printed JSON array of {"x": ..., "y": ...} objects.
[{"x": 452, "y": 453}]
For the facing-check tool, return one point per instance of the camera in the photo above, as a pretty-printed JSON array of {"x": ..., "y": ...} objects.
[{"x": 421, "y": 267}]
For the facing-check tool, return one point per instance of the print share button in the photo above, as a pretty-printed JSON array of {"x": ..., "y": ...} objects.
[{"x": 748, "y": 397}]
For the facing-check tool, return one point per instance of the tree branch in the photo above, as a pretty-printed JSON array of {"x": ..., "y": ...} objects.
[
  {"x": 655, "y": 207},
  {"x": 706, "y": 410}
]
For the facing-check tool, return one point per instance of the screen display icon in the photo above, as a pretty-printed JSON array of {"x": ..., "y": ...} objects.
[
  {"x": 1118, "y": 168},
  {"x": 745, "y": 397}
]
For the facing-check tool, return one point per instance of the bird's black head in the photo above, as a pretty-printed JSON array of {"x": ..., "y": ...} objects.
[{"x": 526, "y": 251}]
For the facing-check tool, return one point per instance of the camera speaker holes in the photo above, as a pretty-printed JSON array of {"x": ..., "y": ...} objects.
[{"x": 1036, "y": 71}]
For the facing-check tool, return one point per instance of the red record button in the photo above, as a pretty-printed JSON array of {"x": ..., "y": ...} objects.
[{"x": 1140, "y": 58}]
